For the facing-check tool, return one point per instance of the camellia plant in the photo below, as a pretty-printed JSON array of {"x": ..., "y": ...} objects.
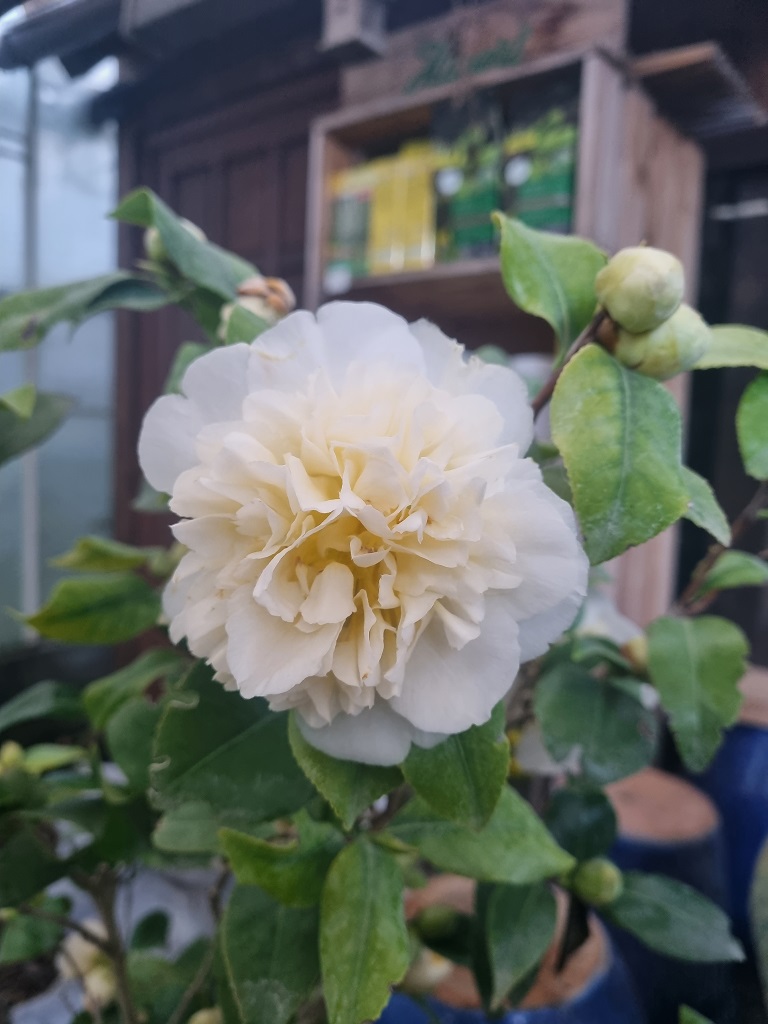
[{"x": 378, "y": 633}]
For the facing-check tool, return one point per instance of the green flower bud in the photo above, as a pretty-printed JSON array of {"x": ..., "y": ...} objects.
[
  {"x": 153, "y": 244},
  {"x": 11, "y": 756},
  {"x": 670, "y": 349},
  {"x": 597, "y": 882},
  {"x": 640, "y": 287},
  {"x": 437, "y": 922},
  {"x": 211, "y": 1015}
]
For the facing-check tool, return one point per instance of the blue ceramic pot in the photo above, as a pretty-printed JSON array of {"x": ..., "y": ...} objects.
[
  {"x": 737, "y": 782},
  {"x": 608, "y": 999}
]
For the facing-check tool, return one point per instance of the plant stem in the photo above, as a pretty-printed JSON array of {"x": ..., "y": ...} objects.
[
  {"x": 587, "y": 335},
  {"x": 214, "y": 900},
  {"x": 66, "y": 922},
  {"x": 689, "y": 603},
  {"x": 103, "y": 892}
]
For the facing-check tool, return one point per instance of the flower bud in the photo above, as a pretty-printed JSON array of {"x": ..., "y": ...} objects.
[
  {"x": 597, "y": 882},
  {"x": 211, "y": 1015},
  {"x": 11, "y": 756},
  {"x": 436, "y": 922},
  {"x": 268, "y": 298},
  {"x": 427, "y": 970},
  {"x": 153, "y": 244},
  {"x": 636, "y": 653},
  {"x": 670, "y": 349},
  {"x": 640, "y": 287},
  {"x": 100, "y": 986}
]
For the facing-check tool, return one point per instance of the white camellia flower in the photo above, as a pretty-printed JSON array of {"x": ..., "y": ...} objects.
[{"x": 367, "y": 543}]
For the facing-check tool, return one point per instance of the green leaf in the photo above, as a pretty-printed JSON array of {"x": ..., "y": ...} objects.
[
  {"x": 151, "y": 932},
  {"x": 696, "y": 665},
  {"x": 758, "y": 916},
  {"x": 704, "y": 509},
  {"x": 212, "y": 745},
  {"x": 363, "y": 939},
  {"x": 292, "y": 873},
  {"x": 189, "y": 828},
  {"x": 26, "y": 938},
  {"x": 27, "y": 317},
  {"x": 100, "y": 554},
  {"x": 689, "y": 1016},
  {"x": 47, "y": 757},
  {"x": 673, "y": 919},
  {"x": 201, "y": 262},
  {"x": 270, "y": 956},
  {"x": 186, "y": 354},
  {"x": 614, "y": 733},
  {"x": 514, "y": 847},
  {"x": 462, "y": 777},
  {"x": 620, "y": 437},
  {"x": 349, "y": 787},
  {"x": 20, "y": 433},
  {"x": 243, "y": 325},
  {"x": 42, "y": 700},
  {"x": 130, "y": 737},
  {"x": 582, "y": 820},
  {"x": 98, "y": 610},
  {"x": 21, "y": 401},
  {"x": 551, "y": 276},
  {"x": 519, "y": 928},
  {"x": 752, "y": 427},
  {"x": 735, "y": 569},
  {"x": 104, "y": 697},
  {"x": 734, "y": 345},
  {"x": 158, "y": 985},
  {"x": 27, "y": 864}
]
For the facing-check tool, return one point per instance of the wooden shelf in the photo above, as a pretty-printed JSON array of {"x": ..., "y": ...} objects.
[
  {"x": 699, "y": 90},
  {"x": 466, "y": 299}
]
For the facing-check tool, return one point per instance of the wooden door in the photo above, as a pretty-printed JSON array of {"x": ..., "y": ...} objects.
[{"x": 240, "y": 174}]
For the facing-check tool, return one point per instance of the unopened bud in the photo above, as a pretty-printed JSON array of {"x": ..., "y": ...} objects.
[
  {"x": 11, "y": 756},
  {"x": 675, "y": 346},
  {"x": 426, "y": 971},
  {"x": 154, "y": 247},
  {"x": 640, "y": 287},
  {"x": 636, "y": 653},
  {"x": 211, "y": 1015},
  {"x": 100, "y": 986},
  {"x": 597, "y": 882},
  {"x": 436, "y": 922}
]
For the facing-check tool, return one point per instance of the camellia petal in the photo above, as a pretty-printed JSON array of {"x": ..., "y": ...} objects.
[{"x": 368, "y": 544}]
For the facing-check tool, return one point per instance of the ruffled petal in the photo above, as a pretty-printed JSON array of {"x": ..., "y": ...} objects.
[
  {"x": 216, "y": 383},
  {"x": 375, "y": 736},
  {"x": 167, "y": 440},
  {"x": 365, "y": 332},
  {"x": 283, "y": 357}
]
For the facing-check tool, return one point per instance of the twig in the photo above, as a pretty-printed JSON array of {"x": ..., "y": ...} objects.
[
  {"x": 214, "y": 900},
  {"x": 587, "y": 335},
  {"x": 66, "y": 922},
  {"x": 104, "y": 895},
  {"x": 93, "y": 1008},
  {"x": 689, "y": 603}
]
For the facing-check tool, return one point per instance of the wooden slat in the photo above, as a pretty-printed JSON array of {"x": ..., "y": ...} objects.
[{"x": 699, "y": 90}]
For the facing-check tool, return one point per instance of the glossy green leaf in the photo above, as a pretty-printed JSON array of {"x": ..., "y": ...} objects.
[
  {"x": 158, "y": 984},
  {"x": 214, "y": 746},
  {"x": 704, "y": 509},
  {"x": 758, "y": 917},
  {"x": 735, "y": 345},
  {"x": 689, "y": 1016},
  {"x": 519, "y": 928},
  {"x": 189, "y": 828},
  {"x": 105, "y": 696},
  {"x": 26, "y": 938},
  {"x": 270, "y": 955},
  {"x": 292, "y": 873},
  {"x": 514, "y": 847},
  {"x": 201, "y": 262},
  {"x": 363, "y": 939},
  {"x": 48, "y": 757},
  {"x": 19, "y": 790},
  {"x": 673, "y": 919},
  {"x": 735, "y": 569},
  {"x": 25, "y": 318},
  {"x": 21, "y": 401},
  {"x": 582, "y": 820},
  {"x": 614, "y": 734},
  {"x": 130, "y": 737},
  {"x": 27, "y": 863},
  {"x": 752, "y": 427},
  {"x": 20, "y": 433},
  {"x": 151, "y": 932},
  {"x": 186, "y": 354},
  {"x": 349, "y": 787},
  {"x": 462, "y": 777},
  {"x": 100, "y": 554},
  {"x": 620, "y": 437},
  {"x": 551, "y": 276},
  {"x": 42, "y": 700},
  {"x": 696, "y": 666},
  {"x": 98, "y": 609}
]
